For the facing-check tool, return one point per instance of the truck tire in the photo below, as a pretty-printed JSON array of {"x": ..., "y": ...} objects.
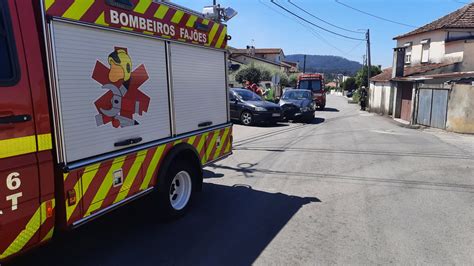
[{"x": 176, "y": 189}]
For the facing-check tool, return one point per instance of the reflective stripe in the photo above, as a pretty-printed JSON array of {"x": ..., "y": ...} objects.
[
  {"x": 211, "y": 146},
  {"x": 86, "y": 179},
  {"x": 219, "y": 149},
  {"x": 212, "y": 34},
  {"x": 101, "y": 20},
  {"x": 48, "y": 4},
  {"x": 17, "y": 146},
  {"x": 177, "y": 16},
  {"x": 48, "y": 236},
  {"x": 221, "y": 38},
  {"x": 105, "y": 186},
  {"x": 31, "y": 228},
  {"x": 131, "y": 176},
  {"x": 191, "y": 21},
  {"x": 161, "y": 12},
  {"x": 151, "y": 169},
  {"x": 142, "y": 6},
  {"x": 78, "y": 9},
  {"x": 45, "y": 142}
]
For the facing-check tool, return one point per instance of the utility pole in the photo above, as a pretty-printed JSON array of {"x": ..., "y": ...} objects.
[
  {"x": 304, "y": 65},
  {"x": 369, "y": 63}
]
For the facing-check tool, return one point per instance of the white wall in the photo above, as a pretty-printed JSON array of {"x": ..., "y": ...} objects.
[
  {"x": 439, "y": 50},
  {"x": 380, "y": 97}
]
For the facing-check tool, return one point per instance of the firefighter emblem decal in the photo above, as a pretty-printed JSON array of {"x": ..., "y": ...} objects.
[{"x": 123, "y": 99}]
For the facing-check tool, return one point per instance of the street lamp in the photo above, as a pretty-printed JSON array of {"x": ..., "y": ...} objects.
[{"x": 218, "y": 13}]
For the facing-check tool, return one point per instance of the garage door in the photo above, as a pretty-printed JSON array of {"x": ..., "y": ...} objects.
[
  {"x": 112, "y": 89},
  {"x": 199, "y": 87}
]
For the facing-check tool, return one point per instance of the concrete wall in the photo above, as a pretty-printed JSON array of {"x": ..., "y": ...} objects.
[
  {"x": 461, "y": 109},
  {"x": 381, "y": 96}
]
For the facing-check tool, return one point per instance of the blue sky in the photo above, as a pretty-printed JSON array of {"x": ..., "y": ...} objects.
[{"x": 264, "y": 25}]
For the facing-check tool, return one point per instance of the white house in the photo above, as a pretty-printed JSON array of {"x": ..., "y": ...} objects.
[{"x": 424, "y": 61}]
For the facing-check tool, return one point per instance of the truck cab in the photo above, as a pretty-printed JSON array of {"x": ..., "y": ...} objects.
[{"x": 314, "y": 83}]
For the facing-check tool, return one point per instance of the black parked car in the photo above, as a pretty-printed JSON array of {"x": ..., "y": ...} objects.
[
  {"x": 249, "y": 108},
  {"x": 298, "y": 105}
]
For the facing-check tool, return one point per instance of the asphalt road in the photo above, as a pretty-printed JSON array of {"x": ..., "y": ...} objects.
[{"x": 351, "y": 188}]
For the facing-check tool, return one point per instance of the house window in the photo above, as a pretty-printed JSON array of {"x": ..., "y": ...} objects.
[
  {"x": 408, "y": 57},
  {"x": 425, "y": 51}
]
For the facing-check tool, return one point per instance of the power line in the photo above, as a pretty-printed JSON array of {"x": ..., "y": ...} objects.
[
  {"x": 315, "y": 25},
  {"x": 322, "y": 20},
  {"x": 313, "y": 31},
  {"x": 375, "y": 16}
]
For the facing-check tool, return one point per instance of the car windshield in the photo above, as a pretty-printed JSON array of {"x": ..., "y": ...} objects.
[
  {"x": 247, "y": 95},
  {"x": 312, "y": 85},
  {"x": 296, "y": 95}
]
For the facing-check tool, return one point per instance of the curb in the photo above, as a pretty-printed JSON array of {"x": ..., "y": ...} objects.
[{"x": 393, "y": 121}]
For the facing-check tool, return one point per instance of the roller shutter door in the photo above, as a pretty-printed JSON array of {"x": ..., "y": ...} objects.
[
  {"x": 199, "y": 87},
  {"x": 83, "y": 87}
]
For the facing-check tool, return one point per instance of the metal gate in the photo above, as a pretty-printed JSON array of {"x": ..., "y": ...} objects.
[{"x": 432, "y": 107}]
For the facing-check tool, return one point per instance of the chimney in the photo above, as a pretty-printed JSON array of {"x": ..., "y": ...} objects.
[{"x": 398, "y": 62}]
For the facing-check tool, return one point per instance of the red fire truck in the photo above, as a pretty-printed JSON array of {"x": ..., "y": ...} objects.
[
  {"x": 102, "y": 102},
  {"x": 314, "y": 83}
]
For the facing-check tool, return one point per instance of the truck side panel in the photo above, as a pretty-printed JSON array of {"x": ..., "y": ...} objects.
[{"x": 95, "y": 190}]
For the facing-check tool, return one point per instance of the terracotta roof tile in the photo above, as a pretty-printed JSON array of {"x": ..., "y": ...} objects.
[
  {"x": 459, "y": 19},
  {"x": 386, "y": 74},
  {"x": 259, "y": 51}
]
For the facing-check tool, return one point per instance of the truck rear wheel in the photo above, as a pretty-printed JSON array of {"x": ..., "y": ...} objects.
[{"x": 176, "y": 189}]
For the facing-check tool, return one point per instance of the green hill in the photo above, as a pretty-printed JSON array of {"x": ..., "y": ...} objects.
[{"x": 327, "y": 64}]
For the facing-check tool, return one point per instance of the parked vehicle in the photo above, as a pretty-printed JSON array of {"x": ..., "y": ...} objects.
[
  {"x": 297, "y": 105},
  {"x": 249, "y": 108},
  {"x": 103, "y": 102},
  {"x": 314, "y": 83},
  {"x": 349, "y": 94}
]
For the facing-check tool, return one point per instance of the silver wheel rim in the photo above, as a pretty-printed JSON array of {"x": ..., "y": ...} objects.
[
  {"x": 180, "y": 190},
  {"x": 246, "y": 118}
]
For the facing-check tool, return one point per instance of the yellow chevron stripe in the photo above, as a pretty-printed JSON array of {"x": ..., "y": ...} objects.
[
  {"x": 201, "y": 146},
  {"x": 26, "y": 234},
  {"x": 81, "y": 187},
  {"x": 222, "y": 37},
  {"x": 211, "y": 145},
  {"x": 127, "y": 28},
  {"x": 201, "y": 142},
  {"x": 219, "y": 149},
  {"x": 206, "y": 22},
  {"x": 191, "y": 140},
  {"x": 17, "y": 146},
  {"x": 177, "y": 16},
  {"x": 45, "y": 142},
  {"x": 228, "y": 148},
  {"x": 212, "y": 34},
  {"x": 148, "y": 32},
  {"x": 152, "y": 167},
  {"x": 105, "y": 186},
  {"x": 142, "y": 6},
  {"x": 131, "y": 176},
  {"x": 161, "y": 12},
  {"x": 48, "y": 236},
  {"x": 101, "y": 20},
  {"x": 191, "y": 21},
  {"x": 65, "y": 175},
  {"x": 48, "y": 4},
  {"x": 78, "y": 9}
]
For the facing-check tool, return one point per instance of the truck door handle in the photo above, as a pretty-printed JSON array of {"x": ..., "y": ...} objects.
[
  {"x": 5, "y": 120},
  {"x": 205, "y": 124},
  {"x": 128, "y": 142}
]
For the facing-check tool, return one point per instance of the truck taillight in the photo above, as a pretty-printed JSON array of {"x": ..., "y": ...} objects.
[{"x": 71, "y": 197}]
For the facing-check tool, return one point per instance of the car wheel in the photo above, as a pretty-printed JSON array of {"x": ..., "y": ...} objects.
[
  {"x": 175, "y": 190},
  {"x": 246, "y": 118},
  {"x": 322, "y": 107}
]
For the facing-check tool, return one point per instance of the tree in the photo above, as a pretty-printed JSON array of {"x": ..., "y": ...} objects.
[
  {"x": 349, "y": 84},
  {"x": 293, "y": 80},
  {"x": 361, "y": 76},
  {"x": 266, "y": 74},
  {"x": 284, "y": 80},
  {"x": 250, "y": 73}
]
